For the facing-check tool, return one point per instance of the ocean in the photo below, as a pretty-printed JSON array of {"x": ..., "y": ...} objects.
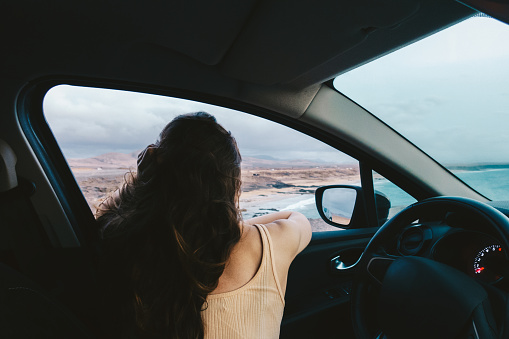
[{"x": 493, "y": 183}]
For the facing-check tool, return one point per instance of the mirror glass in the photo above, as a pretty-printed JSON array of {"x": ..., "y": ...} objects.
[{"x": 338, "y": 204}]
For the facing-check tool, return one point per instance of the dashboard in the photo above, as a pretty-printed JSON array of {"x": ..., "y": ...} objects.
[{"x": 464, "y": 247}]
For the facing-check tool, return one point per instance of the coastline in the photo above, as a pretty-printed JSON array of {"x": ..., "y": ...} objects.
[{"x": 261, "y": 187}]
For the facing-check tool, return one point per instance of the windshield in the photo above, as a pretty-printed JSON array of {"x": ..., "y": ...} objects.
[{"x": 449, "y": 95}]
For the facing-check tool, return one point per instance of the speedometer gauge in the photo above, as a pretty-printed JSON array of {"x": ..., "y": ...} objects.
[{"x": 487, "y": 263}]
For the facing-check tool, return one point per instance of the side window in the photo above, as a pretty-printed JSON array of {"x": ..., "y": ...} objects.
[
  {"x": 398, "y": 198},
  {"x": 102, "y": 131}
]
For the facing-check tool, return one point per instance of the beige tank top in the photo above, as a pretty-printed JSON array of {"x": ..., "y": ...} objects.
[{"x": 254, "y": 310}]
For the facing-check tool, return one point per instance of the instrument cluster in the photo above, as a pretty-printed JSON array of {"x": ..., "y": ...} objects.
[{"x": 477, "y": 254}]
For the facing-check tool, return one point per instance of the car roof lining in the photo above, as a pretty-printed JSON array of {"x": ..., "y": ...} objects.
[
  {"x": 381, "y": 42},
  {"x": 319, "y": 30},
  {"x": 221, "y": 48}
]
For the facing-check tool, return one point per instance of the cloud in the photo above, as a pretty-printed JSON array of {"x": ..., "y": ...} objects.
[{"x": 88, "y": 122}]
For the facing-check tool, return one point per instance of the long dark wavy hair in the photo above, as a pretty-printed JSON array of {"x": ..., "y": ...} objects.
[{"x": 169, "y": 233}]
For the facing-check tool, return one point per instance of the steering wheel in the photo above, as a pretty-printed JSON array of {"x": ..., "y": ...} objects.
[{"x": 414, "y": 297}]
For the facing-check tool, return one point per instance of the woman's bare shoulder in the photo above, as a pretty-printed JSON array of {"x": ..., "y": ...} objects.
[
  {"x": 290, "y": 235},
  {"x": 250, "y": 244}
]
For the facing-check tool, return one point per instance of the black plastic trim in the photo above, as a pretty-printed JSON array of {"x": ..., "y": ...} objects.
[
  {"x": 32, "y": 121},
  {"x": 368, "y": 190}
]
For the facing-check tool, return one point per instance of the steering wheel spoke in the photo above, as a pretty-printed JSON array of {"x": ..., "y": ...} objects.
[{"x": 378, "y": 266}]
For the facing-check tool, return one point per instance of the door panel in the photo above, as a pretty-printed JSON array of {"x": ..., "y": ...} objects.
[{"x": 317, "y": 299}]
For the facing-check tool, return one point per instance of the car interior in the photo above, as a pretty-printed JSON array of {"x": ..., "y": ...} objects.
[{"x": 383, "y": 276}]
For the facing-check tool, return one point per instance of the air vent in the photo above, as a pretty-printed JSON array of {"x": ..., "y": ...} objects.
[{"x": 412, "y": 240}]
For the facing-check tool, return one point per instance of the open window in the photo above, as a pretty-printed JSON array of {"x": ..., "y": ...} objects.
[{"x": 101, "y": 132}]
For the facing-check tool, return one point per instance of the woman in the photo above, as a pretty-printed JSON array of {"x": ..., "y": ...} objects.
[{"x": 179, "y": 260}]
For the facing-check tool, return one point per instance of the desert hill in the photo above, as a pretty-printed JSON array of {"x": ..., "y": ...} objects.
[
  {"x": 111, "y": 160},
  {"x": 115, "y": 160},
  {"x": 252, "y": 162}
]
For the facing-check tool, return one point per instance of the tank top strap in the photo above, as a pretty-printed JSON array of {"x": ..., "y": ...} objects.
[{"x": 268, "y": 254}]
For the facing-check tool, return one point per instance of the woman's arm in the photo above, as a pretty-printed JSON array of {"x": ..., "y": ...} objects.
[
  {"x": 291, "y": 230},
  {"x": 268, "y": 218},
  {"x": 290, "y": 233}
]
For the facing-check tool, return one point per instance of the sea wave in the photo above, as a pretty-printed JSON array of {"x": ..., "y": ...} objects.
[{"x": 299, "y": 205}]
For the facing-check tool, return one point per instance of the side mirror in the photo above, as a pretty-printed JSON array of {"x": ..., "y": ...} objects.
[
  {"x": 336, "y": 204},
  {"x": 344, "y": 206}
]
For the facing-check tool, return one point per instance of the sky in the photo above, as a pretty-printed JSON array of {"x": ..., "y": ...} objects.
[
  {"x": 448, "y": 94},
  {"x": 87, "y": 122}
]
